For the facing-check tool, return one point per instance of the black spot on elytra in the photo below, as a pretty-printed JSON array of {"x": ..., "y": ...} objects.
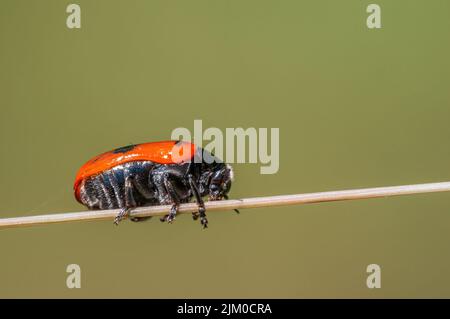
[{"x": 123, "y": 149}]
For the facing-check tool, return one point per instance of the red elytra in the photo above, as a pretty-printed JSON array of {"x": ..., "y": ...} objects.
[{"x": 165, "y": 152}]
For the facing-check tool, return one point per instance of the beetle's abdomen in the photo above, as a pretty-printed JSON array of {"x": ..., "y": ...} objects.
[{"x": 107, "y": 189}]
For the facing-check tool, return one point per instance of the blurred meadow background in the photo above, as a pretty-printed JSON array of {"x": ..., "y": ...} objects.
[{"x": 355, "y": 108}]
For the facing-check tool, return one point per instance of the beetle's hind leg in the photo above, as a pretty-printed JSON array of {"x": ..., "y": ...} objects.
[
  {"x": 130, "y": 202},
  {"x": 140, "y": 185},
  {"x": 124, "y": 212}
]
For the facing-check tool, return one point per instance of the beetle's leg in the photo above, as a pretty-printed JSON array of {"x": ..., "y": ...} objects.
[
  {"x": 166, "y": 194},
  {"x": 200, "y": 203},
  {"x": 139, "y": 185},
  {"x": 161, "y": 192},
  {"x": 129, "y": 201},
  {"x": 195, "y": 215},
  {"x": 174, "y": 199},
  {"x": 121, "y": 215}
]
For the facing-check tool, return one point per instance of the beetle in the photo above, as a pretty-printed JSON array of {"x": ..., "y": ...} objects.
[{"x": 155, "y": 173}]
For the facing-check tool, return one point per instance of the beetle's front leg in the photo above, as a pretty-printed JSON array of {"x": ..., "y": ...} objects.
[{"x": 200, "y": 203}]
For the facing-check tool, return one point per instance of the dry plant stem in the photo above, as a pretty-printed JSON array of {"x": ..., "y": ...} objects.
[{"x": 270, "y": 201}]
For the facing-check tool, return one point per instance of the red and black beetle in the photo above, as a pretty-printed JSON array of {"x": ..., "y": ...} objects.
[{"x": 150, "y": 174}]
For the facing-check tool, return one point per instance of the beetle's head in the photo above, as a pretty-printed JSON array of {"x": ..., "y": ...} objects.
[
  {"x": 220, "y": 183},
  {"x": 216, "y": 182}
]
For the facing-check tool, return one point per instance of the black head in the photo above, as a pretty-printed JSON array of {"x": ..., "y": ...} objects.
[{"x": 215, "y": 180}]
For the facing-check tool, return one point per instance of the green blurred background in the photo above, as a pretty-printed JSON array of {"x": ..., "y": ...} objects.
[{"x": 355, "y": 108}]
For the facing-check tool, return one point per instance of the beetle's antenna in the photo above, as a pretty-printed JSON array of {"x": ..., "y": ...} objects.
[{"x": 256, "y": 202}]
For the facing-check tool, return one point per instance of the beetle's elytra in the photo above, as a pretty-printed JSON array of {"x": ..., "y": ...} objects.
[{"x": 149, "y": 174}]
